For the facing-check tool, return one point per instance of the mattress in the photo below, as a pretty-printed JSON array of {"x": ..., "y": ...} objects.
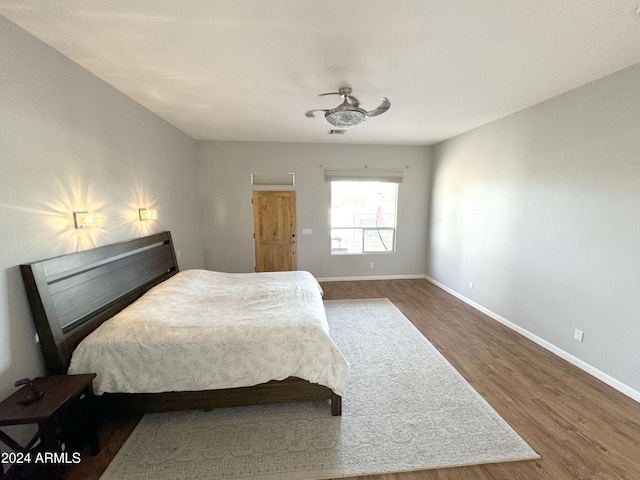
[{"x": 203, "y": 330}]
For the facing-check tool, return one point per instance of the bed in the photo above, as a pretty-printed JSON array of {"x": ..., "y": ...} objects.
[{"x": 168, "y": 326}]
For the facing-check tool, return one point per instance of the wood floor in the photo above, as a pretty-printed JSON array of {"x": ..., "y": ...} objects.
[{"x": 580, "y": 427}]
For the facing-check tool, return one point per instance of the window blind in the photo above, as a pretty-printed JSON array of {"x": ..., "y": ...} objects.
[{"x": 363, "y": 175}]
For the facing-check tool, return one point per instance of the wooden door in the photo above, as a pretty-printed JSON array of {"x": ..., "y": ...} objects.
[{"x": 274, "y": 231}]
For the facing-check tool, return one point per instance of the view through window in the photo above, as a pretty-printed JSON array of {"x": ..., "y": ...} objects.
[{"x": 363, "y": 217}]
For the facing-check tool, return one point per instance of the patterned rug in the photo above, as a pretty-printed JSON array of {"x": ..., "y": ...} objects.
[{"x": 406, "y": 409}]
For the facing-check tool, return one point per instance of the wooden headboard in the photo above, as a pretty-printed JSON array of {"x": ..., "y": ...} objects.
[{"x": 71, "y": 295}]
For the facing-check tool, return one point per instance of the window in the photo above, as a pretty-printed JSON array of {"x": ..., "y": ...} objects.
[{"x": 363, "y": 217}]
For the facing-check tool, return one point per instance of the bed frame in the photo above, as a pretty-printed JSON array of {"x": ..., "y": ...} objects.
[{"x": 72, "y": 295}]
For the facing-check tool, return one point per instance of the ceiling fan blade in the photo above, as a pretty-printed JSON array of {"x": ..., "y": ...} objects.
[
  {"x": 310, "y": 113},
  {"x": 345, "y": 92},
  {"x": 351, "y": 100},
  {"x": 384, "y": 106},
  {"x": 342, "y": 91}
]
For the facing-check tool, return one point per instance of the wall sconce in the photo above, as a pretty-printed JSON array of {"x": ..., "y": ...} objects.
[
  {"x": 146, "y": 214},
  {"x": 87, "y": 219}
]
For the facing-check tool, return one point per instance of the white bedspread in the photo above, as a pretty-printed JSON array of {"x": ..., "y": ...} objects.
[{"x": 202, "y": 330}]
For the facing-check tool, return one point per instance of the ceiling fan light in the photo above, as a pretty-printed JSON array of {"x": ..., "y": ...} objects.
[{"x": 345, "y": 119}]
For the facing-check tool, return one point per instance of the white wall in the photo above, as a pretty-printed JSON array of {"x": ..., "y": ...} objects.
[
  {"x": 225, "y": 194},
  {"x": 69, "y": 141},
  {"x": 541, "y": 211}
]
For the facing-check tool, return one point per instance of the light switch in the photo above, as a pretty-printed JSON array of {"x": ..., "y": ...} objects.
[{"x": 307, "y": 231}]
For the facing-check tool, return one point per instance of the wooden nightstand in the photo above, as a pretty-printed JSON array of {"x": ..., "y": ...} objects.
[{"x": 60, "y": 391}]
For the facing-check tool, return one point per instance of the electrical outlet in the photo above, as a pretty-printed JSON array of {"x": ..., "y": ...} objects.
[
  {"x": 578, "y": 335},
  {"x": 371, "y": 265},
  {"x": 470, "y": 285}
]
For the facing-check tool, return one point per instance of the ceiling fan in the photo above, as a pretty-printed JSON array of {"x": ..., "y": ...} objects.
[{"x": 348, "y": 114}]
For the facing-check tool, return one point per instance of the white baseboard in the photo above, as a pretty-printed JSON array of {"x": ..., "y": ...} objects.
[
  {"x": 380, "y": 277},
  {"x": 600, "y": 375}
]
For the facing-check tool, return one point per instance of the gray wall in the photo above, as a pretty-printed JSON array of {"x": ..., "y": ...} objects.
[
  {"x": 69, "y": 141},
  {"x": 227, "y": 218},
  {"x": 541, "y": 211}
]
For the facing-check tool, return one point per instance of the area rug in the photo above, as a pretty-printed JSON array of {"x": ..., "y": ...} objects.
[{"x": 406, "y": 409}]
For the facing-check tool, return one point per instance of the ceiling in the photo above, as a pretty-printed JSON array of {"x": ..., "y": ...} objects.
[{"x": 248, "y": 70}]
